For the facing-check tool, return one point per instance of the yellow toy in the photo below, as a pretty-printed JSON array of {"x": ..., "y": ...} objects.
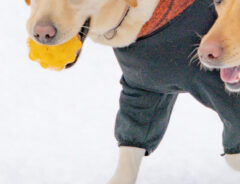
[{"x": 55, "y": 57}]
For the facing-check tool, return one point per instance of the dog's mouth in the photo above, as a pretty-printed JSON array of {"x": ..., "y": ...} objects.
[
  {"x": 82, "y": 36},
  {"x": 231, "y": 77}
]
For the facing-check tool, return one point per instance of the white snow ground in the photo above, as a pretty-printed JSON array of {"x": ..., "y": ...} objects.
[{"x": 57, "y": 128}]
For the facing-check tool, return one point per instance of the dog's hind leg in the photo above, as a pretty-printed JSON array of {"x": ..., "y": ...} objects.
[
  {"x": 128, "y": 166},
  {"x": 233, "y": 161}
]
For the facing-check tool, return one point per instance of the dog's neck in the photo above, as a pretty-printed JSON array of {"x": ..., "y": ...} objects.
[
  {"x": 109, "y": 15},
  {"x": 112, "y": 32}
]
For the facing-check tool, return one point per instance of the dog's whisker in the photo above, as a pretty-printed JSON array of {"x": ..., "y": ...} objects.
[
  {"x": 212, "y": 4},
  {"x": 200, "y": 36},
  {"x": 201, "y": 66},
  {"x": 194, "y": 57},
  {"x": 84, "y": 34},
  {"x": 195, "y": 60},
  {"x": 194, "y": 50},
  {"x": 86, "y": 27},
  {"x": 196, "y": 44}
]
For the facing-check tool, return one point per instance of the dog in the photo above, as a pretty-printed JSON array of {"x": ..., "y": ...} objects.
[
  {"x": 152, "y": 41},
  {"x": 219, "y": 49}
]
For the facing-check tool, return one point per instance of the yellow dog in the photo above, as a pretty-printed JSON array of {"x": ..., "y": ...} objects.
[{"x": 55, "y": 57}]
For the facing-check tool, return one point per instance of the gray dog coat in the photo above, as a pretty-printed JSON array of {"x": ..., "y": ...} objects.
[{"x": 156, "y": 68}]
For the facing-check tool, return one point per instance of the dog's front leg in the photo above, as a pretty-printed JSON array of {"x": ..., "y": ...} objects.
[
  {"x": 128, "y": 166},
  {"x": 233, "y": 161}
]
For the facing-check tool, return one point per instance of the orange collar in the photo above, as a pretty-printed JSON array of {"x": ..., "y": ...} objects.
[{"x": 166, "y": 10}]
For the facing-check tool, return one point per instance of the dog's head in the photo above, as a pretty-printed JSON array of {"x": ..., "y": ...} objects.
[
  {"x": 220, "y": 48},
  {"x": 53, "y": 22}
]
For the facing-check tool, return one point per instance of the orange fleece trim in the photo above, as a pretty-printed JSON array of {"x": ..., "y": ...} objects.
[{"x": 165, "y": 12}]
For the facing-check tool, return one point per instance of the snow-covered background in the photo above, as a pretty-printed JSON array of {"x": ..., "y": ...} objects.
[{"x": 57, "y": 128}]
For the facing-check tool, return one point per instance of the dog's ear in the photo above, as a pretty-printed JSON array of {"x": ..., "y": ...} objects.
[
  {"x": 28, "y": 2},
  {"x": 132, "y": 3}
]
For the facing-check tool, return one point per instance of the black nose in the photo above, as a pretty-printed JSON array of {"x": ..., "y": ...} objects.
[{"x": 44, "y": 32}]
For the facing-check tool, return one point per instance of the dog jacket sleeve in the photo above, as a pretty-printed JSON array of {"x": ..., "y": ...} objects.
[{"x": 156, "y": 68}]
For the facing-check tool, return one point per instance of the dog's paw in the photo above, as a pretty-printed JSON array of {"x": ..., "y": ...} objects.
[
  {"x": 114, "y": 182},
  {"x": 233, "y": 161},
  {"x": 119, "y": 181}
]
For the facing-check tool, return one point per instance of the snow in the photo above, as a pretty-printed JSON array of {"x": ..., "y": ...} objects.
[{"x": 57, "y": 127}]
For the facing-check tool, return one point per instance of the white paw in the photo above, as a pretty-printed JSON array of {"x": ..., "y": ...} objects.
[
  {"x": 113, "y": 182},
  {"x": 120, "y": 181},
  {"x": 233, "y": 161}
]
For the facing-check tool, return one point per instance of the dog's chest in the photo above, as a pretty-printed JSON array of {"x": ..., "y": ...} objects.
[{"x": 165, "y": 12}]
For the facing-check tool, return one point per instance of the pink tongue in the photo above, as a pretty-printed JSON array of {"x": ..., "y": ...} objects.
[{"x": 230, "y": 75}]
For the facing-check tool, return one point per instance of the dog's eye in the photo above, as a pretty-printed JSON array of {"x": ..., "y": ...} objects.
[{"x": 217, "y": 1}]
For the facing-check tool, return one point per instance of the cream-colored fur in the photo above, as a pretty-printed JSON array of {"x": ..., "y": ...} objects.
[
  {"x": 129, "y": 162},
  {"x": 130, "y": 28},
  {"x": 226, "y": 31},
  {"x": 68, "y": 16},
  {"x": 233, "y": 161}
]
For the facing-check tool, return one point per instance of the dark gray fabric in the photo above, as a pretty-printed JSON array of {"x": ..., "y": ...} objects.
[
  {"x": 143, "y": 117},
  {"x": 157, "y": 68}
]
